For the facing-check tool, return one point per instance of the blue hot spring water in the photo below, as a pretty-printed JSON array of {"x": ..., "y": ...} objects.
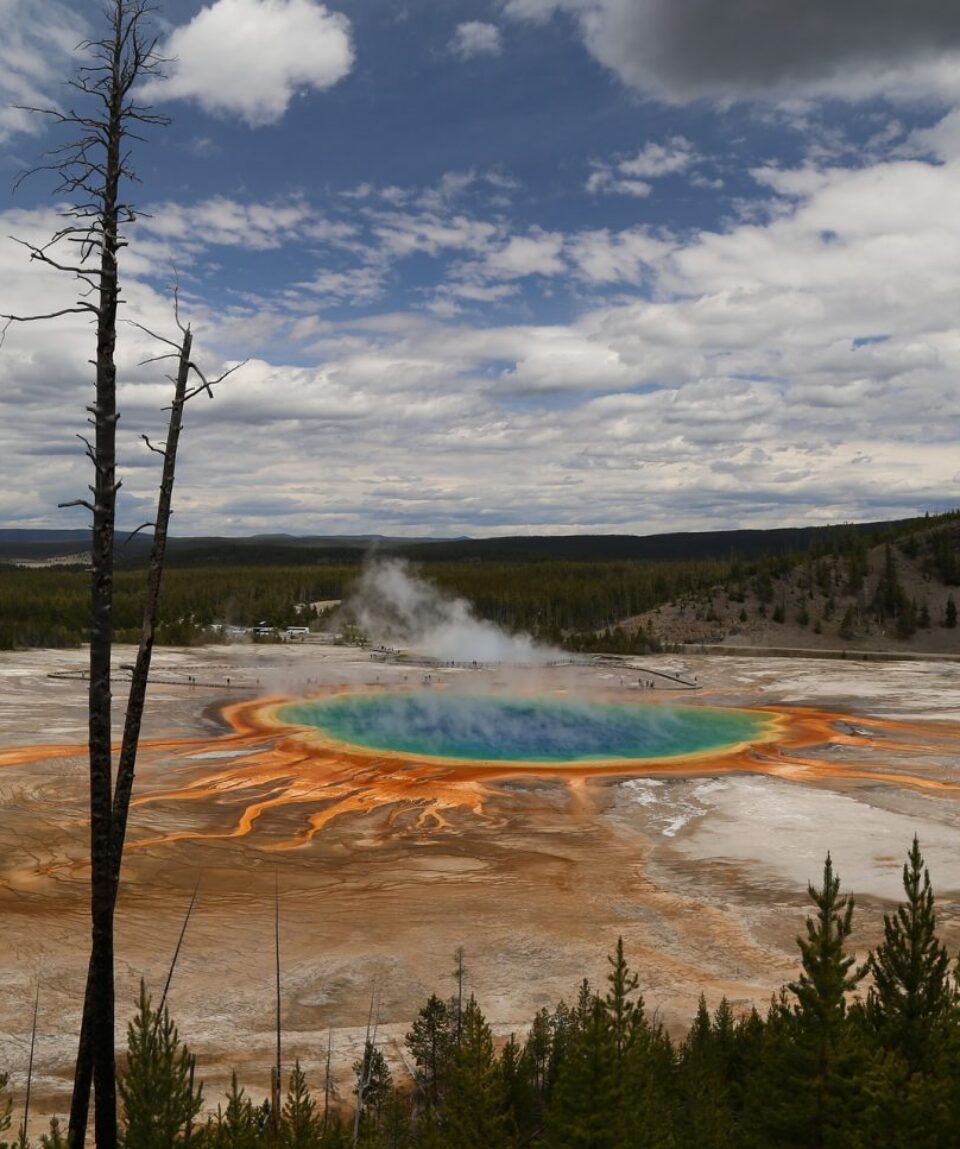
[{"x": 493, "y": 728}]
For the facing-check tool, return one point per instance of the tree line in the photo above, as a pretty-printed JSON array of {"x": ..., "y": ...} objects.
[
  {"x": 551, "y": 601},
  {"x": 564, "y": 602},
  {"x": 845, "y": 1056}
]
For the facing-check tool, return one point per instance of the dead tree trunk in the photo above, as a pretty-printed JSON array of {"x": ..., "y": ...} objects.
[
  {"x": 327, "y": 1083},
  {"x": 85, "y": 1068},
  {"x": 93, "y": 166},
  {"x": 458, "y": 973},
  {"x": 104, "y": 414},
  {"x": 23, "y": 1139},
  {"x": 278, "y": 1072},
  {"x": 126, "y": 769}
]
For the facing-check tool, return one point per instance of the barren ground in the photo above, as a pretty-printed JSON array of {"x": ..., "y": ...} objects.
[{"x": 703, "y": 871}]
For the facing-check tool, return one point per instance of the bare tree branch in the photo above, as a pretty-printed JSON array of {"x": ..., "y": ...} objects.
[
  {"x": 158, "y": 359},
  {"x": 142, "y": 527},
  {"x": 176, "y": 952},
  {"x": 176, "y": 302},
  {"x": 156, "y": 450},
  {"x": 159, "y": 339},
  {"x": 208, "y": 385},
  {"x": 80, "y": 309},
  {"x": 89, "y": 451}
]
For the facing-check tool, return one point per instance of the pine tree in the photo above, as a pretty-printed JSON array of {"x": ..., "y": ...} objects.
[
  {"x": 911, "y": 996},
  {"x": 586, "y": 1000},
  {"x": 761, "y": 1094},
  {"x": 907, "y": 618},
  {"x": 238, "y": 1126},
  {"x": 536, "y": 1051},
  {"x": 811, "y": 1066},
  {"x": 157, "y": 1090},
  {"x": 744, "y": 1060},
  {"x": 476, "y": 1114},
  {"x": 427, "y": 1133},
  {"x": 825, "y": 975},
  {"x": 522, "y": 1096},
  {"x": 888, "y": 598},
  {"x": 648, "y": 1090},
  {"x": 585, "y": 1104},
  {"x": 56, "y": 1138},
  {"x": 848, "y": 624},
  {"x": 299, "y": 1122},
  {"x": 945, "y": 557},
  {"x": 698, "y": 1040},
  {"x": 724, "y": 1032},
  {"x": 396, "y": 1131},
  {"x": 624, "y": 1013},
  {"x": 374, "y": 1083},
  {"x": 336, "y": 1135},
  {"x": 563, "y": 1027},
  {"x": 706, "y": 1118},
  {"x": 431, "y": 1043}
]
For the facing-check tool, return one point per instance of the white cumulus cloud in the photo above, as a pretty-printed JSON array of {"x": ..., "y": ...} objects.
[
  {"x": 655, "y": 160},
  {"x": 791, "y": 366},
  {"x": 35, "y": 53},
  {"x": 248, "y": 58},
  {"x": 475, "y": 38},
  {"x": 630, "y": 175}
]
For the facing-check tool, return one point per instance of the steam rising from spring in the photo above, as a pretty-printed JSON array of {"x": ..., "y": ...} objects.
[{"x": 395, "y": 608}]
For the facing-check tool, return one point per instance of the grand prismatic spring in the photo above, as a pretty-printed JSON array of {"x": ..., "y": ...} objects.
[
  {"x": 531, "y": 818},
  {"x": 533, "y": 730}
]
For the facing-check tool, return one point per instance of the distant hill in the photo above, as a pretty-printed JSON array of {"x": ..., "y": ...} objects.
[
  {"x": 21, "y": 535},
  {"x": 37, "y": 545},
  {"x": 897, "y": 589},
  {"x": 679, "y": 546},
  {"x": 254, "y": 550},
  {"x": 294, "y": 550}
]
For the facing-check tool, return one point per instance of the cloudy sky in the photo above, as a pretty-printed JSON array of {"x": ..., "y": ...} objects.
[{"x": 514, "y": 266}]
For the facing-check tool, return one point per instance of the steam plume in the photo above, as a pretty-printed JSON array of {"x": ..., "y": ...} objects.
[{"x": 395, "y": 608}]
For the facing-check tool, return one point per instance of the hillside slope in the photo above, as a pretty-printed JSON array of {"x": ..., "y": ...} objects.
[{"x": 897, "y": 595}]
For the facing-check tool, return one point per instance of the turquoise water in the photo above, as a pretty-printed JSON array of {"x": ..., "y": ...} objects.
[{"x": 491, "y": 728}]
